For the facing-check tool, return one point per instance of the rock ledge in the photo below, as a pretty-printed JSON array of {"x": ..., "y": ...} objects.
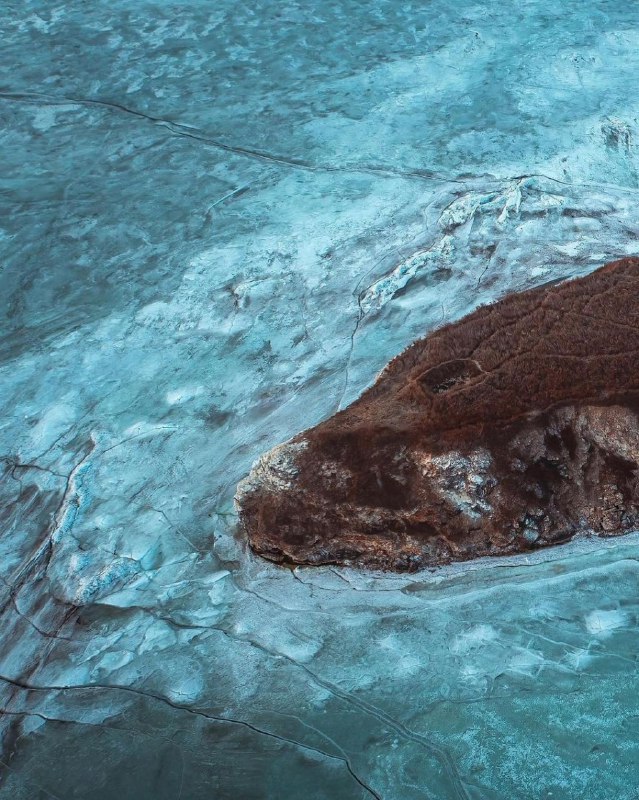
[{"x": 515, "y": 428}]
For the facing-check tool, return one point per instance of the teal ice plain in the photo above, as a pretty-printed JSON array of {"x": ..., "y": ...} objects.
[{"x": 219, "y": 221}]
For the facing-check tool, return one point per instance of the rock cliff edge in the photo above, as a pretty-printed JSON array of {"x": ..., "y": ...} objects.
[{"x": 515, "y": 428}]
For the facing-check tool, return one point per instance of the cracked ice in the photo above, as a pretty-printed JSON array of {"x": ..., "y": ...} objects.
[{"x": 220, "y": 221}]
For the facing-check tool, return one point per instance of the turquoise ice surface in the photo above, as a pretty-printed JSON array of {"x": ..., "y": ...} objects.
[{"x": 219, "y": 220}]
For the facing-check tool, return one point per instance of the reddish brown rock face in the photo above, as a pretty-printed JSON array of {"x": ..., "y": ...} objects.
[{"x": 515, "y": 428}]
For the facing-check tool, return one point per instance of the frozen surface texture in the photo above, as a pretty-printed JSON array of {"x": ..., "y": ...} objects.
[
  {"x": 514, "y": 428},
  {"x": 219, "y": 221}
]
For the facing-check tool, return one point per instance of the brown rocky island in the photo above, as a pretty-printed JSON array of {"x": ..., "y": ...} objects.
[{"x": 515, "y": 428}]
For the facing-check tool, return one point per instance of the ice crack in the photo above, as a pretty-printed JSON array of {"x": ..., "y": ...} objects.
[{"x": 19, "y": 684}]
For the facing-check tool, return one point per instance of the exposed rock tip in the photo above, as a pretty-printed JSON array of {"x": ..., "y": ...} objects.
[{"x": 516, "y": 427}]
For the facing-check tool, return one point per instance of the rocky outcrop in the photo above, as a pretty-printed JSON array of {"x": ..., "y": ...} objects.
[{"x": 514, "y": 428}]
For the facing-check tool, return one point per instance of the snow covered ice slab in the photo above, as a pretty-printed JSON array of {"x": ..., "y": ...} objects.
[{"x": 219, "y": 222}]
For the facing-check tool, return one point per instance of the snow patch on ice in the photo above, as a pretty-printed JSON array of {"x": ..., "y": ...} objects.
[
  {"x": 603, "y": 622},
  {"x": 474, "y": 638}
]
